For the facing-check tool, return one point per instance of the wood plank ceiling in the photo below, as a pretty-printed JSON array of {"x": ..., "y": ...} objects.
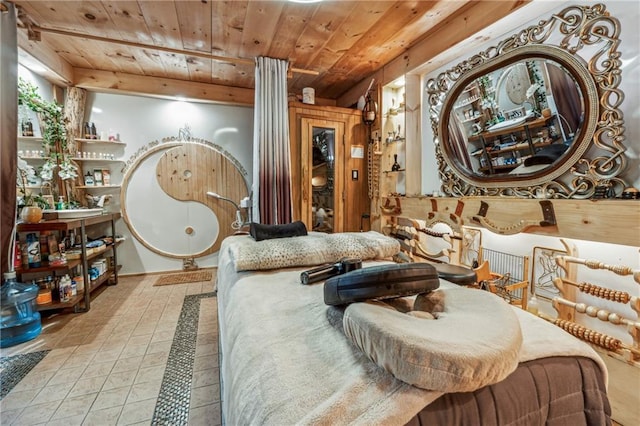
[{"x": 344, "y": 42}]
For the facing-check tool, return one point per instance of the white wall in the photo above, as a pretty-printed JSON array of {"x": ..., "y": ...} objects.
[{"x": 141, "y": 120}]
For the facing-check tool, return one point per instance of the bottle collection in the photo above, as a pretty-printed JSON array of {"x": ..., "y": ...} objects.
[
  {"x": 41, "y": 250},
  {"x": 90, "y": 131},
  {"x": 27, "y": 128}
]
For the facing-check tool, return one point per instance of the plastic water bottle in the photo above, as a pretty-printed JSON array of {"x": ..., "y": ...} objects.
[{"x": 19, "y": 321}]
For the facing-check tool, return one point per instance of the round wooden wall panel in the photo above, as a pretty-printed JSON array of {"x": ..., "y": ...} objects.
[{"x": 175, "y": 217}]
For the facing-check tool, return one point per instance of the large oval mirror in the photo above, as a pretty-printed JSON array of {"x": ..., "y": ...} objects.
[
  {"x": 532, "y": 119},
  {"x": 520, "y": 118}
]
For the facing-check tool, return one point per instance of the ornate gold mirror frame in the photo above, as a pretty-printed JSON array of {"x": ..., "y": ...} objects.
[{"x": 584, "y": 40}]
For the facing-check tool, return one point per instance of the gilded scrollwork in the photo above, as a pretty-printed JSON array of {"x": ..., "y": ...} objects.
[{"x": 586, "y": 40}]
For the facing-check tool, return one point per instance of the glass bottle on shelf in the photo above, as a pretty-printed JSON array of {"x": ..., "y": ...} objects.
[{"x": 396, "y": 166}]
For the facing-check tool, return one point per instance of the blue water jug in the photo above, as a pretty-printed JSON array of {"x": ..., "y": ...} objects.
[{"x": 19, "y": 321}]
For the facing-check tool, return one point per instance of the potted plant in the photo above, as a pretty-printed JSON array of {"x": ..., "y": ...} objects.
[
  {"x": 30, "y": 205},
  {"x": 54, "y": 138}
]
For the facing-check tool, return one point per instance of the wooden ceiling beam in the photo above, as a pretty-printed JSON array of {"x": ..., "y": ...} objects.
[
  {"x": 39, "y": 29},
  {"x": 61, "y": 71},
  {"x": 107, "y": 81}
]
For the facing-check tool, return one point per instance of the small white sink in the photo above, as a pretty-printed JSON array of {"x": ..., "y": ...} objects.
[
  {"x": 75, "y": 213},
  {"x": 509, "y": 123}
]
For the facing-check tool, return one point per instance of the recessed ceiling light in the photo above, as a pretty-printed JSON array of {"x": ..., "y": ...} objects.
[{"x": 305, "y": 1}]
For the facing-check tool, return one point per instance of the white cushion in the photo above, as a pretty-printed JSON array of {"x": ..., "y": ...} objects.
[{"x": 473, "y": 342}]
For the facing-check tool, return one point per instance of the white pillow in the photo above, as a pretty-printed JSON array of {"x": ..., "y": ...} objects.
[{"x": 473, "y": 342}]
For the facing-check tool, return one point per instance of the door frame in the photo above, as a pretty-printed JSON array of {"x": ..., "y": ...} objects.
[{"x": 306, "y": 158}]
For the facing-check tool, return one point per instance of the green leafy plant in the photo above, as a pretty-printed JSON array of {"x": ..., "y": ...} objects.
[
  {"x": 26, "y": 172},
  {"x": 54, "y": 136}
]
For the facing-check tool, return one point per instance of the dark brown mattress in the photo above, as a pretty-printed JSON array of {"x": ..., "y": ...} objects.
[{"x": 562, "y": 391}]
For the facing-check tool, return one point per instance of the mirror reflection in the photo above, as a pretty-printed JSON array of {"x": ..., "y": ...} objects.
[
  {"x": 322, "y": 178},
  {"x": 516, "y": 120}
]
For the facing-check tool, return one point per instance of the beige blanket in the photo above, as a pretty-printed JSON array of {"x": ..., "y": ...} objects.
[
  {"x": 286, "y": 360},
  {"x": 314, "y": 249}
]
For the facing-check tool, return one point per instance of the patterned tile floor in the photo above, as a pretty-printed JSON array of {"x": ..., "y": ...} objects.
[{"x": 142, "y": 355}]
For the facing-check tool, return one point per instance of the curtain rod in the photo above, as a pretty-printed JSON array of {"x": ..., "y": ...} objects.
[{"x": 35, "y": 28}]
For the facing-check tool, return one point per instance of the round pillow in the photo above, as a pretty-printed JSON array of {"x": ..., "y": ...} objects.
[{"x": 474, "y": 340}]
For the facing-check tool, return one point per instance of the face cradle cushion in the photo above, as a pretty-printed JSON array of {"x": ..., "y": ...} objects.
[{"x": 473, "y": 341}]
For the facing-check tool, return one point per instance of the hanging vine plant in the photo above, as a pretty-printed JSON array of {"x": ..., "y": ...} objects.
[{"x": 54, "y": 133}]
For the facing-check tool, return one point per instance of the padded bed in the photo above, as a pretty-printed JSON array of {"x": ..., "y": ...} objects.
[{"x": 285, "y": 357}]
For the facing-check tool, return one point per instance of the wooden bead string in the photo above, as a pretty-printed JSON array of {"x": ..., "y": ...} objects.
[
  {"x": 604, "y": 293},
  {"x": 432, "y": 233},
  {"x": 588, "y": 335},
  {"x": 616, "y": 269}
]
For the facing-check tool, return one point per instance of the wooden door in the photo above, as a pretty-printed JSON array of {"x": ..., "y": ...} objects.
[{"x": 322, "y": 174}]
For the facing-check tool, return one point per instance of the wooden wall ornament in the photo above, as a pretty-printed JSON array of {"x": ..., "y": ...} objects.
[
  {"x": 574, "y": 218},
  {"x": 548, "y": 219},
  {"x": 185, "y": 171}
]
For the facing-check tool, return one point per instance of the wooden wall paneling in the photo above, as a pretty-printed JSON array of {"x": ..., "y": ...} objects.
[
  {"x": 164, "y": 29},
  {"x": 86, "y": 49},
  {"x": 226, "y": 27},
  {"x": 293, "y": 20},
  {"x": 260, "y": 25},
  {"x": 355, "y": 192},
  {"x": 368, "y": 46},
  {"x": 105, "y": 81},
  {"x": 195, "y": 24},
  {"x": 468, "y": 20},
  {"x": 362, "y": 16},
  {"x": 471, "y": 18},
  {"x": 128, "y": 23},
  {"x": 607, "y": 221},
  {"x": 200, "y": 69},
  {"x": 226, "y": 39}
]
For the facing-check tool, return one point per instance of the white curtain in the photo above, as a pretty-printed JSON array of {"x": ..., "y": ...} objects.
[{"x": 271, "y": 155}]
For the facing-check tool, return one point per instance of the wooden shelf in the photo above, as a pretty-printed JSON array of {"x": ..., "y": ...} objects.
[
  {"x": 44, "y": 267},
  {"x": 538, "y": 122},
  {"x": 67, "y": 225},
  {"x": 78, "y": 297},
  {"x": 60, "y": 305},
  {"x": 518, "y": 147},
  {"x": 29, "y": 139},
  {"x": 100, "y": 141},
  {"x": 71, "y": 263},
  {"x": 33, "y": 158},
  {"x": 98, "y": 160},
  {"x": 97, "y": 186},
  {"x": 394, "y": 171}
]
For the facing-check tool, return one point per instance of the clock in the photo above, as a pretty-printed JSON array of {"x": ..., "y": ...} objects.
[{"x": 516, "y": 83}]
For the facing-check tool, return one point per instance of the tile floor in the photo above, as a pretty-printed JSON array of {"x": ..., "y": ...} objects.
[{"x": 113, "y": 365}]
